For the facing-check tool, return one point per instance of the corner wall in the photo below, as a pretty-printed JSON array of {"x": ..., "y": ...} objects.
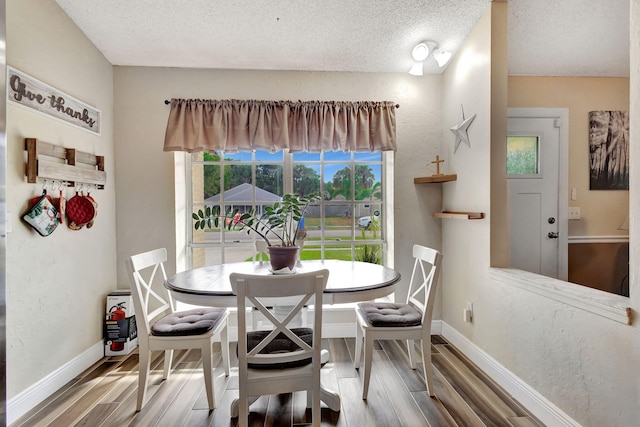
[
  {"x": 56, "y": 285},
  {"x": 466, "y": 243},
  {"x": 585, "y": 364}
]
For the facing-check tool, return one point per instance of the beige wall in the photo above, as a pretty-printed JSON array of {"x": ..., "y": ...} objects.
[
  {"x": 585, "y": 364},
  {"x": 603, "y": 210},
  {"x": 56, "y": 285}
]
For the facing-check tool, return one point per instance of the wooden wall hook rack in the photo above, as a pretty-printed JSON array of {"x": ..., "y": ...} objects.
[{"x": 78, "y": 167}]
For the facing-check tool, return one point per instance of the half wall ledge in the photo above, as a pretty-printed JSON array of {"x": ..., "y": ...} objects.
[{"x": 611, "y": 306}]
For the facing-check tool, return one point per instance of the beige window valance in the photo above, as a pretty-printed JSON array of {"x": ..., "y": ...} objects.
[{"x": 304, "y": 126}]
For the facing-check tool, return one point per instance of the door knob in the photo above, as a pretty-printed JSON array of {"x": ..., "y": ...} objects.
[
  {"x": 551, "y": 220},
  {"x": 552, "y": 235}
]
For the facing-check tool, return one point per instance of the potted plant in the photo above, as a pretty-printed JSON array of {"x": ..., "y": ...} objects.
[
  {"x": 369, "y": 252},
  {"x": 280, "y": 222}
]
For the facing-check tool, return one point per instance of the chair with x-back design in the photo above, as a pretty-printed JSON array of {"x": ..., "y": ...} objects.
[
  {"x": 283, "y": 359},
  {"x": 262, "y": 251},
  {"x": 160, "y": 327},
  {"x": 409, "y": 321}
]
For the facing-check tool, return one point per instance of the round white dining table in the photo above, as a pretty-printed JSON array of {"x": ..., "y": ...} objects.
[{"x": 349, "y": 281}]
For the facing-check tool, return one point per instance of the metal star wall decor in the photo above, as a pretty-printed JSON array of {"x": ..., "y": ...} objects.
[{"x": 460, "y": 131}]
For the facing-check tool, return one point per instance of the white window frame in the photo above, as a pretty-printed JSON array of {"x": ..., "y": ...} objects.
[{"x": 184, "y": 199}]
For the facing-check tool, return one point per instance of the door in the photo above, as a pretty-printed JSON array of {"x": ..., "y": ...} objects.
[{"x": 533, "y": 174}]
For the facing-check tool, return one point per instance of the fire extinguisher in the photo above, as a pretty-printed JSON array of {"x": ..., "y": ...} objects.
[{"x": 117, "y": 314}]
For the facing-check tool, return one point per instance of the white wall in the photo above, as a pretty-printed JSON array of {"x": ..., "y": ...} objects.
[
  {"x": 585, "y": 364},
  {"x": 466, "y": 243},
  {"x": 56, "y": 285},
  {"x": 145, "y": 191}
]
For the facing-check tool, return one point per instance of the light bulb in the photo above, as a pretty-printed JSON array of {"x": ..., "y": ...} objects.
[
  {"x": 420, "y": 52},
  {"x": 416, "y": 69}
]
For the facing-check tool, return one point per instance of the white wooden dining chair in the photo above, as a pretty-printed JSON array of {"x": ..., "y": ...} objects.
[
  {"x": 408, "y": 321},
  {"x": 161, "y": 328},
  {"x": 284, "y": 359},
  {"x": 262, "y": 252}
]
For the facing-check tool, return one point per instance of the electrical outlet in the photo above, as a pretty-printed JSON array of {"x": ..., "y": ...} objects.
[{"x": 574, "y": 212}]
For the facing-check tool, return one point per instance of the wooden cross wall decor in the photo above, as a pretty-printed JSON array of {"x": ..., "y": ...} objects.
[{"x": 437, "y": 161}]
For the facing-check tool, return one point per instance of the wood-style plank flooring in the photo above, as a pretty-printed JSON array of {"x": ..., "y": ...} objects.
[{"x": 105, "y": 394}]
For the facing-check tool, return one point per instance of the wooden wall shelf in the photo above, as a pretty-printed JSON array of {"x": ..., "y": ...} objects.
[
  {"x": 458, "y": 215},
  {"x": 435, "y": 178},
  {"x": 78, "y": 167}
]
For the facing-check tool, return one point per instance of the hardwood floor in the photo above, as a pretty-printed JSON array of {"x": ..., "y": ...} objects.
[{"x": 105, "y": 394}]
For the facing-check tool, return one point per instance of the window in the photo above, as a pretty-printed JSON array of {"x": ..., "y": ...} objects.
[
  {"x": 349, "y": 223},
  {"x": 522, "y": 155}
]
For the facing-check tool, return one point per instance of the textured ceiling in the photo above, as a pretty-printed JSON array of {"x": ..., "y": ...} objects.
[
  {"x": 546, "y": 37},
  {"x": 569, "y": 37}
]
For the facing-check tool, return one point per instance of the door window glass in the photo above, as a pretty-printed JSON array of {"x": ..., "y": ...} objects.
[{"x": 523, "y": 155}]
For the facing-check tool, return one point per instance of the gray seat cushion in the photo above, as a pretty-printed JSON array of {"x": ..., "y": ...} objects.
[
  {"x": 189, "y": 322},
  {"x": 281, "y": 344},
  {"x": 391, "y": 314}
]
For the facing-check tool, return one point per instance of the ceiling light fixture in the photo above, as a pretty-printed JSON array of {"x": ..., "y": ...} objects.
[
  {"x": 421, "y": 52},
  {"x": 442, "y": 57},
  {"x": 416, "y": 69}
]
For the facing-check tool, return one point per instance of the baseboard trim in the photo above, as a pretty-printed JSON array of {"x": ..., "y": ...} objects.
[
  {"x": 597, "y": 239},
  {"x": 339, "y": 330},
  {"x": 28, "y": 399},
  {"x": 537, "y": 404}
]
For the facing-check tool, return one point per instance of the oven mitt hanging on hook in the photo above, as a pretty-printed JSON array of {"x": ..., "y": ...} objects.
[
  {"x": 42, "y": 216},
  {"x": 80, "y": 211}
]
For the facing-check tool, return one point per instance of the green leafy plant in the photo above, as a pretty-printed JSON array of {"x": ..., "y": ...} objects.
[
  {"x": 282, "y": 220},
  {"x": 370, "y": 253}
]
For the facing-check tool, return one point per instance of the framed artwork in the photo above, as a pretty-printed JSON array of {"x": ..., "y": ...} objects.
[{"x": 608, "y": 150}]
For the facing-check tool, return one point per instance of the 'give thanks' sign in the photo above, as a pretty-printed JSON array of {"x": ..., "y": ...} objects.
[{"x": 31, "y": 93}]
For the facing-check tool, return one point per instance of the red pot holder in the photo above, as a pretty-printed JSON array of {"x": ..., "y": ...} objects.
[{"x": 80, "y": 211}]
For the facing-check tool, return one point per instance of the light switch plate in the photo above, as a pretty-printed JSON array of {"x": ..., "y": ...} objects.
[{"x": 574, "y": 213}]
